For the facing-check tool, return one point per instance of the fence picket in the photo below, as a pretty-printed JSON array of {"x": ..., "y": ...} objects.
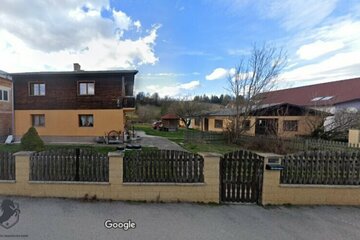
[
  {"x": 7, "y": 166},
  {"x": 322, "y": 167},
  {"x": 60, "y": 165},
  {"x": 163, "y": 166}
]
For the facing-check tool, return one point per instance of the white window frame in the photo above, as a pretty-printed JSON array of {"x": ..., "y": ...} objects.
[
  {"x": 87, "y": 93},
  {"x": 39, "y": 122},
  {"x": 33, "y": 94},
  {"x": 2, "y": 90},
  {"x": 87, "y": 118}
]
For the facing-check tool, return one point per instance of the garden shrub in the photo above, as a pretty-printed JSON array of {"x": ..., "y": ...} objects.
[{"x": 31, "y": 141}]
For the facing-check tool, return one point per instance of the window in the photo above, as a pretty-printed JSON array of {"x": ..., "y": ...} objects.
[
  {"x": 218, "y": 123},
  {"x": 291, "y": 125},
  {"x": 37, "y": 89},
  {"x": 4, "y": 95},
  {"x": 316, "y": 99},
  {"x": 86, "y": 88},
  {"x": 197, "y": 121},
  {"x": 38, "y": 120},
  {"x": 86, "y": 120},
  {"x": 246, "y": 124},
  {"x": 323, "y": 98},
  {"x": 327, "y": 98}
]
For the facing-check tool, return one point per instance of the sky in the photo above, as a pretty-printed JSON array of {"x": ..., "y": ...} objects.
[{"x": 181, "y": 47}]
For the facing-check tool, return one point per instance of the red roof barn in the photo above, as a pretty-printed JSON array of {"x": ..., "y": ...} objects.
[{"x": 330, "y": 93}]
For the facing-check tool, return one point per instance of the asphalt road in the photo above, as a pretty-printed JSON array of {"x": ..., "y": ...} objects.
[{"x": 74, "y": 219}]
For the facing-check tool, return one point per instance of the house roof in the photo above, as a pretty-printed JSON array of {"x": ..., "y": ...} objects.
[
  {"x": 108, "y": 72},
  {"x": 5, "y": 75},
  {"x": 170, "y": 116},
  {"x": 77, "y": 72},
  {"x": 330, "y": 93},
  {"x": 265, "y": 109}
]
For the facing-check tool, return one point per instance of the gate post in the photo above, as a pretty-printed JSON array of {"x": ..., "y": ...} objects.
[
  {"x": 270, "y": 178},
  {"x": 212, "y": 176}
]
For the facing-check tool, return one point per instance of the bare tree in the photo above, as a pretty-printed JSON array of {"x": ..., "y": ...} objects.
[
  {"x": 147, "y": 113},
  {"x": 336, "y": 126},
  {"x": 251, "y": 77},
  {"x": 330, "y": 122},
  {"x": 186, "y": 108}
]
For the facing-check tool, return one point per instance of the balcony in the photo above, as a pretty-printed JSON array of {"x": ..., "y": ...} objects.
[{"x": 126, "y": 102}]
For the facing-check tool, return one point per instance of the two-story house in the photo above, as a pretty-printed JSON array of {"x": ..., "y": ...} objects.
[
  {"x": 72, "y": 106},
  {"x": 6, "y": 107}
]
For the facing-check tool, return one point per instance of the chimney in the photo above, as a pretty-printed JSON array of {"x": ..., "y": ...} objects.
[{"x": 77, "y": 67}]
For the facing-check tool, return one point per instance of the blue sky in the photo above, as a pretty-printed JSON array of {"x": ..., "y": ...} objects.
[{"x": 181, "y": 47}]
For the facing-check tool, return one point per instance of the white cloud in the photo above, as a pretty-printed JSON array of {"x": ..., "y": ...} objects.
[
  {"x": 122, "y": 20},
  {"x": 340, "y": 66},
  {"x": 174, "y": 90},
  {"x": 298, "y": 14},
  {"x": 318, "y": 48},
  {"x": 190, "y": 85},
  {"x": 218, "y": 73},
  {"x": 340, "y": 40},
  {"x": 137, "y": 24},
  {"x": 54, "y": 34}
]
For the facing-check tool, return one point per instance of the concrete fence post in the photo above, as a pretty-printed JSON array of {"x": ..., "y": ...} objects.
[
  {"x": 115, "y": 173},
  {"x": 22, "y": 167},
  {"x": 271, "y": 178},
  {"x": 212, "y": 176},
  {"x": 22, "y": 173},
  {"x": 354, "y": 138},
  {"x": 116, "y": 167}
]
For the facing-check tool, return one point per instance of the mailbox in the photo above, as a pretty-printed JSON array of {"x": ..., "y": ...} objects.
[{"x": 274, "y": 166}]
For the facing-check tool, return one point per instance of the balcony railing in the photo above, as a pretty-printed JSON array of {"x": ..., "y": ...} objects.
[{"x": 126, "y": 102}]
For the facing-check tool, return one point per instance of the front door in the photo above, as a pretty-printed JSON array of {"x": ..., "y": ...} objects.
[{"x": 206, "y": 124}]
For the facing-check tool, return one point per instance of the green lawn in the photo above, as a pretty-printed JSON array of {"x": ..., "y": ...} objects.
[
  {"x": 174, "y": 136},
  {"x": 178, "y": 137},
  {"x": 210, "y": 147}
]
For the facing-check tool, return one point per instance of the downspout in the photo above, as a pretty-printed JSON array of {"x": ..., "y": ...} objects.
[
  {"x": 123, "y": 86},
  {"x": 122, "y": 99},
  {"x": 13, "y": 109}
]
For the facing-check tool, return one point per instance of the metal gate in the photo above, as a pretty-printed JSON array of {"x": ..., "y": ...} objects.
[{"x": 241, "y": 175}]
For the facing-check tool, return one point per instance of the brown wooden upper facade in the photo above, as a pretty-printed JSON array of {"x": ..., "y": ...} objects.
[
  {"x": 74, "y": 90},
  {"x": 5, "y": 105}
]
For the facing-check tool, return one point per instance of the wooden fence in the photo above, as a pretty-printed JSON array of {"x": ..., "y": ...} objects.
[
  {"x": 7, "y": 166},
  {"x": 69, "y": 165},
  {"x": 204, "y": 137},
  {"x": 163, "y": 166},
  {"x": 322, "y": 167},
  {"x": 297, "y": 144}
]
